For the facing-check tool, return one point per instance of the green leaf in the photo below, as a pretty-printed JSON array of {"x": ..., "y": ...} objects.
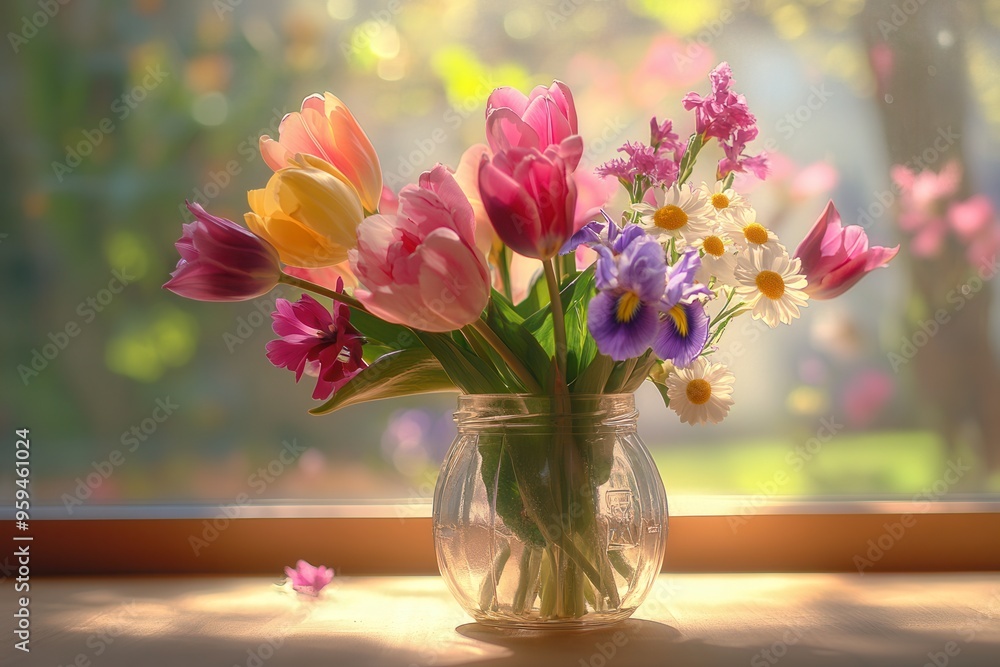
[
  {"x": 506, "y": 324},
  {"x": 469, "y": 372},
  {"x": 594, "y": 378},
  {"x": 537, "y": 297},
  {"x": 662, "y": 388},
  {"x": 400, "y": 373},
  {"x": 581, "y": 348},
  {"x": 619, "y": 375},
  {"x": 639, "y": 373},
  {"x": 385, "y": 334}
]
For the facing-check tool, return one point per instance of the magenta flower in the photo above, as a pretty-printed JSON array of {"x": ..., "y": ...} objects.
[
  {"x": 544, "y": 118},
  {"x": 657, "y": 164},
  {"x": 530, "y": 197},
  {"x": 316, "y": 342},
  {"x": 835, "y": 258},
  {"x": 309, "y": 579},
  {"x": 222, "y": 261},
  {"x": 724, "y": 115}
]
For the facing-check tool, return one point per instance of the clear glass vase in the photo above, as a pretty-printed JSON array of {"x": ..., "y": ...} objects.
[{"x": 549, "y": 512}]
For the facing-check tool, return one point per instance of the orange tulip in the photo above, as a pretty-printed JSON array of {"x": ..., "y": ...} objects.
[{"x": 325, "y": 128}]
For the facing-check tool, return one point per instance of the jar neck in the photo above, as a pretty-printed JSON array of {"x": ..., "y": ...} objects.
[{"x": 584, "y": 413}]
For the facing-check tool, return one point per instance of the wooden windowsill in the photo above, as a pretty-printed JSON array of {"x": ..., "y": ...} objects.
[{"x": 688, "y": 619}]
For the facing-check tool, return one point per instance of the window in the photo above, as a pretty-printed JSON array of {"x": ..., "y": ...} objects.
[{"x": 134, "y": 396}]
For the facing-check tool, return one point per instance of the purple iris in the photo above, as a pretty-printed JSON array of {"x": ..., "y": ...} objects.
[
  {"x": 630, "y": 276},
  {"x": 641, "y": 302},
  {"x": 683, "y": 329}
]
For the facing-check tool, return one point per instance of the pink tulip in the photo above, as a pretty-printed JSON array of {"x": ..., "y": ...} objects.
[
  {"x": 544, "y": 118},
  {"x": 420, "y": 267},
  {"x": 325, "y": 128},
  {"x": 835, "y": 258},
  {"x": 530, "y": 197},
  {"x": 222, "y": 261}
]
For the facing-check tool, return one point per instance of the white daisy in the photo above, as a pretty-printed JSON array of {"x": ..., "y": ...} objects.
[
  {"x": 746, "y": 231},
  {"x": 685, "y": 216},
  {"x": 769, "y": 282},
  {"x": 702, "y": 392},
  {"x": 723, "y": 200},
  {"x": 718, "y": 258}
]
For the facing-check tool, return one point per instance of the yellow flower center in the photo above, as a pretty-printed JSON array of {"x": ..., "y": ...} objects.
[
  {"x": 770, "y": 284},
  {"x": 755, "y": 233},
  {"x": 670, "y": 217},
  {"x": 628, "y": 306},
  {"x": 720, "y": 200},
  {"x": 680, "y": 319},
  {"x": 714, "y": 246},
  {"x": 699, "y": 391}
]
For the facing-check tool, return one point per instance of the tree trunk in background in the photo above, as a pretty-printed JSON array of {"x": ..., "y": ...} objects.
[{"x": 920, "y": 95}]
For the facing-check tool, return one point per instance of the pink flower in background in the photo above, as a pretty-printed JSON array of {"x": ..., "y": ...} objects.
[
  {"x": 972, "y": 216},
  {"x": 668, "y": 64},
  {"x": 544, "y": 118},
  {"x": 813, "y": 179},
  {"x": 883, "y": 62},
  {"x": 316, "y": 342},
  {"x": 325, "y": 128},
  {"x": 724, "y": 115},
  {"x": 420, "y": 267},
  {"x": 222, "y": 261},
  {"x": 923, "y": 198},
  {"x": 834, "y": 258},
  {"x": 866, "y": 395},
  {"x": 530, "y": 197},
  {"x": 309, "y": 579}
]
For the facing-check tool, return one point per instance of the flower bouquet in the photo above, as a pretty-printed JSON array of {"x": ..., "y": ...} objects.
[{"x": 548, "y": 510}]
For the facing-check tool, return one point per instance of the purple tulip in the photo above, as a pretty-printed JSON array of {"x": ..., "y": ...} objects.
[
  {"x": 530, "y": 198},
  {"x": 834, "y": 258},
  {"x": 222, "y": 261}
]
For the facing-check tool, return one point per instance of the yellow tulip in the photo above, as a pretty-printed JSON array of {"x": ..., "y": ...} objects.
[{"x": 309, "y": 212}]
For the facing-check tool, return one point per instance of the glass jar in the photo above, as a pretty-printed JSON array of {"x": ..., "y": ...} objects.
[{"x": 549, "y": 512}]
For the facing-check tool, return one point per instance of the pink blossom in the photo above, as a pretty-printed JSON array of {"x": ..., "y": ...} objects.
[
  {"x": 835, "y": 258},
  {"x": 544, "y": 118},
  {"x": 316, "y": 342},
  {"x": 724, "y": 115},
  {"x": 222, "y": 261},
  {"x": 309, "y": 579},
  {"x": 420, "y": 267}
]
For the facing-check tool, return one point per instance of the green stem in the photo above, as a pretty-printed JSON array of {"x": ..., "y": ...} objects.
[
  {"x": 504, "y": 268},
  {"x": 516, "y": 365},
  {"x": 322, "y": 291},
  {"x": 558, "y": 318}
]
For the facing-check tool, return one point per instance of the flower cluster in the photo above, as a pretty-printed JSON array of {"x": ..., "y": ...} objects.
[
  {"x": 724, "y": 115},
  {"x": 431, "y": 304},
  {"x": 931, "y": 211}
]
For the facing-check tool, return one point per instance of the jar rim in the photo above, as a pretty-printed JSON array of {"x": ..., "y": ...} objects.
[{"x": 538, "y": 411}]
